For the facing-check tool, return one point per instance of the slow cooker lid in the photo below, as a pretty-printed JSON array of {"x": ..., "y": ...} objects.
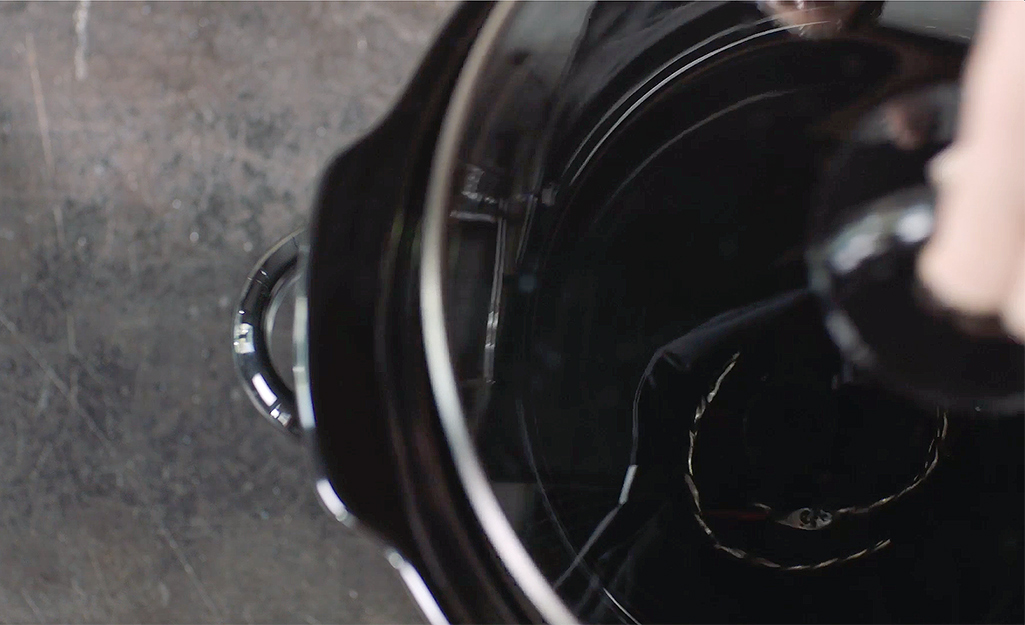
[{"x": 641, "y": 401}]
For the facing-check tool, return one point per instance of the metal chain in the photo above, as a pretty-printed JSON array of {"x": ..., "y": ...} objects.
[{"x": 804, "y": 518}]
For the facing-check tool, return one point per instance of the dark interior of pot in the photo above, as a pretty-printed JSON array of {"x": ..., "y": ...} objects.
[{"x": 649, "y": 384}]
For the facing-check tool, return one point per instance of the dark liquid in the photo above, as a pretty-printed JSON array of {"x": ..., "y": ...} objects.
[
  {"x": 707, "y": 227},
  {"x": 657, "y": 237}
]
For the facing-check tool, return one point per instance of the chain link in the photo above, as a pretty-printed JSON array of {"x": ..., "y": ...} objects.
[{"x": 804, "y": 518}]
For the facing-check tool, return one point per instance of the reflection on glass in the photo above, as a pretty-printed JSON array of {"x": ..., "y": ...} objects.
[{"x": 671, "y": 429}]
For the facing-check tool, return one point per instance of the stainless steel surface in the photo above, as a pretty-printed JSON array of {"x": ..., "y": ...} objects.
[{"x": 149, "y": 153}]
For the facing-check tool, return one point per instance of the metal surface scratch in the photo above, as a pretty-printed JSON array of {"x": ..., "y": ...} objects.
[
  {"x": 32, "y": 606},
  {"x": 82, "y": 37},
  {"x": 94, "y": 561},
  {"x": 179, "y": 554},
  {"x": 37, "y": 95},
  {"x": 44, "y": 398},
  {"x": 72, "y": 347},
  {"x": 43, "y": 364},
  {"x": 70, "y": 394},
  {"x": 126, "y": 140},
  {"x": 73, "y": 391},
  {"x": 108, "y": 246},
  {"x": 58, "y": 219},
  {"x": 40, "y": 461}
]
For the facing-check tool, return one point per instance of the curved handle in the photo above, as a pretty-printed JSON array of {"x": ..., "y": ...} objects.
[{"x": 254, "y": 321}]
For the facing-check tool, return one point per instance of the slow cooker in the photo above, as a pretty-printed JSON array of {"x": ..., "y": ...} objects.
[{"x": 554, "y": 341}]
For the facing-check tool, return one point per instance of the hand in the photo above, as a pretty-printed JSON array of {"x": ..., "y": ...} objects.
[{"x": 975, "y": 261}]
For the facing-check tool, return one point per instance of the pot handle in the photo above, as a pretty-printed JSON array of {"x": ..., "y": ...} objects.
[{"x": 253, "y": 325}]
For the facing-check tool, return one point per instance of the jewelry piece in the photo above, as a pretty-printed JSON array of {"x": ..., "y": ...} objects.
[{"x": 810, "y": 519}]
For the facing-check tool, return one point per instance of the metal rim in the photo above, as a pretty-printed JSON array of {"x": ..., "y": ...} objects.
[
  {"x": 439, "y": 362},
  {"x": 252, "y": 326}
]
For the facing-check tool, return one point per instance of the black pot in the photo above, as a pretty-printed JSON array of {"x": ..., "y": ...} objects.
[{"x": 553, "y": 342}]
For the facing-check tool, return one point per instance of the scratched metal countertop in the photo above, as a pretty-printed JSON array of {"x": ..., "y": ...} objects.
[{"x": 149, "y": 153}]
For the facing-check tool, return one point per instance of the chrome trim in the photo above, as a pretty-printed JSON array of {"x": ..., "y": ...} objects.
[
  {"x": 333, "y": 503},
  {"x": 439, "y": 362},
  {"x": 497, "y": 278},
  {"x": 300, "y": 374},
  {"x": 495, "y": 306},
  {"x": 417, "y": 588},
  {"x": 486, "y": 218},
  {"x": 267, "y": 285}
]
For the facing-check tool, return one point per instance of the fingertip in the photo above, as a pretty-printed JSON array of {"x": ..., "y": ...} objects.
[
  {"x": 1013, "y": 313},
  {"x": 942, "y": 270}
]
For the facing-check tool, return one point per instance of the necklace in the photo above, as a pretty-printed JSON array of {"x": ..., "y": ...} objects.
[{"x": 809, "y": 519}]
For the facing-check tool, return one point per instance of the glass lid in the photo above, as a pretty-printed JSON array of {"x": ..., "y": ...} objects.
[{"x": 643, "y": 403}]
